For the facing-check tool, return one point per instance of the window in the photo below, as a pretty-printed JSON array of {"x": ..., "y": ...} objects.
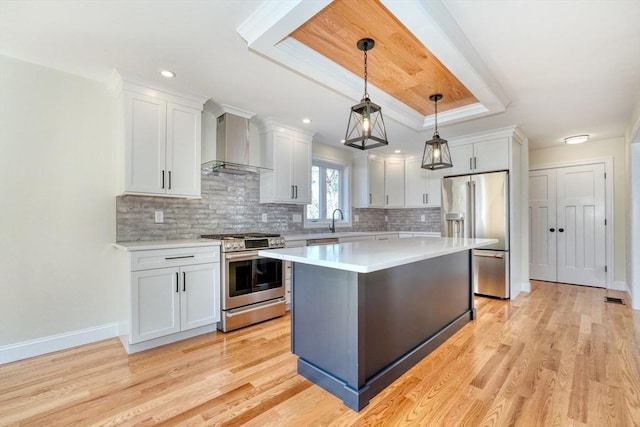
[{"x": 329, "y": 191}]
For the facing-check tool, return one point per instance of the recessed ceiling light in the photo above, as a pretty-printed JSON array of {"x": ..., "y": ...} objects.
[
  {"x": 576, "y": 139},
  {"x": 306, "y": 121},
  {"x": 343, "y": 141},
  {"x": 397, "y": 151},
  {"x": 168, "y": 74}
]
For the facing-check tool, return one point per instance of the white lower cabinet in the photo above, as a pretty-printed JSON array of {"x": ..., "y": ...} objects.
[{"x": 170, "y": 301}]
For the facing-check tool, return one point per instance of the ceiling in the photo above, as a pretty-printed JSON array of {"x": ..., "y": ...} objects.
[{"x": 554, "y": 68}]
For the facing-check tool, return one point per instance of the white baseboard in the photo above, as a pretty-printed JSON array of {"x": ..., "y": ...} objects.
[
  {"x": 619, "y": 286},
  {"x": 37, "y": 347},
  {"x": 525, "y": 286}
]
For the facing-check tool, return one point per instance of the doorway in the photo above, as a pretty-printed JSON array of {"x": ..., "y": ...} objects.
[{"x": 568, "y": 224}]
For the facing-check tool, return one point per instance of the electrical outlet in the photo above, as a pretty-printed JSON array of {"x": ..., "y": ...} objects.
[
  {"x": 264, "y": 217},
  {"x": 356, "y": 218},
  {"x": 159, "y": 217},
  {"x": 422, "y": 218},
  {"x": 386, "y": 218},
  {"x": 297, "y": 218}
]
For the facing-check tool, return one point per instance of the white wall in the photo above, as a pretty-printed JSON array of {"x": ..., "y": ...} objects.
[
  {"x": 616, "y": 149},
  {"x": 57, "y": 203}
]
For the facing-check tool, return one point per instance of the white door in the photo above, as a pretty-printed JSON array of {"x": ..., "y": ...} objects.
[
  {"x": 155, "y": 302},
  {"x": 542, "y": 225},
  {"x": 394, "y": 183},
  {"x": 145, "y": 139},
  {"x": 567, "y": 225},
  {"x": 183, "y": 150},
  {"x": 199, "y": 301},
  {"x": 581, "y": 225},
  {"x": 302, "y": 171},
  {"x": 376, "y": 182}
]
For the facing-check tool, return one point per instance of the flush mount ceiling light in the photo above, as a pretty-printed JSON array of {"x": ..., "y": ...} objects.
[
  {"x": 168, "y": 74},
  {"x": 365, "y": 129},
  {"x": 436, "y": 151},
  {"x": 576, "y": 139},
  {"x": 306, "y": 121}
]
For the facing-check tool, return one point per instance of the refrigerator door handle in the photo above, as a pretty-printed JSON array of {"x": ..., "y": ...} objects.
[{"x": 472, "y": 211}]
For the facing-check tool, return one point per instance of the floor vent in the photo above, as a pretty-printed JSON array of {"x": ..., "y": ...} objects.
[{"x": 614, "y": 300}]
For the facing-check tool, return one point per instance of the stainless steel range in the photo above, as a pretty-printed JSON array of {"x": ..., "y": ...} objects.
[{"x": 252, "y": 286}]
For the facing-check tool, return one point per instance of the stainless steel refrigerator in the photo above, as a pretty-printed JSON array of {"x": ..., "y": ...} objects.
[{"x": 478, "y": 206}]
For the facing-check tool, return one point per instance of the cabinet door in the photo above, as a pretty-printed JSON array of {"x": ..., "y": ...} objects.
[
  {"x": 200, "y": 295},
  {"x": 145, "y": 136},
  {"x": 491, "y": 155},
  {"x": 301, "y": 165},
  {"x": 183, "y": 150},
  {"x": 434, "y": 188},
  {"x": 415, "y": 184},
  {"x": 375, "y": 174},
  {"x": 394, "y": 183},
  {"x": 155, "y": 303},
  {"x": 283, "y": 190},
  {"x": 462, "y": 158}
]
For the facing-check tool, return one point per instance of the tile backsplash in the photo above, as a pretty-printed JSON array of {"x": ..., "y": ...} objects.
[{"x": 230, "y": 203}]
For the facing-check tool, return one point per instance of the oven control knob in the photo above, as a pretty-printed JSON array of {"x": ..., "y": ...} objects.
[
  {"x": 235, "y": 245},
  {"x": 227, "y": 245}
]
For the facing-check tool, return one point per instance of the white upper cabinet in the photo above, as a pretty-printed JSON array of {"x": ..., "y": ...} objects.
[
  {"x": 369, "y": 182},
  {"x": 287, "y": 152},
  {"x": 422, "y": 186},
  {"x": 394, "y": 183},
  {"x": 483, "y": 156},
  {"x": 161, "y": 134}
]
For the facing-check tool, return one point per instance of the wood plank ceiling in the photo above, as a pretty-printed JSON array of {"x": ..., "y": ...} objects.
[{"x": 398, "y": 64}]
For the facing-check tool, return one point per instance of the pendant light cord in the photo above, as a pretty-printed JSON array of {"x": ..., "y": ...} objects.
[
  {"x": 436, "y": 121},
  {"x": 366, "y": 94}
]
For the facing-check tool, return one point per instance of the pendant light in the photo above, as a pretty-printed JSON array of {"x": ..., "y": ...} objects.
[
  {"x": 365, "y": 129},
  {"x": 436, "y": 151}
]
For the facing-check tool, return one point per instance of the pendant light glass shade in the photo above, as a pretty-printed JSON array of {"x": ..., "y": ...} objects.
[
  {"x": 366, "y": 129},
  {"x": 436, "y": 153}
]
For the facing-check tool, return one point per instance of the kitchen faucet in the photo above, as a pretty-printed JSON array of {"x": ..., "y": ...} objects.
[{"x": 333, "y": 219}]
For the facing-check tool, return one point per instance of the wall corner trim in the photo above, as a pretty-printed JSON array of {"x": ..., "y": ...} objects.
[{"x": 25, "y": 349}]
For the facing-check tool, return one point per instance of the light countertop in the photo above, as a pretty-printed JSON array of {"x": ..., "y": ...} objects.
[
  {"x": 338, "y": 234},
  {"x": 164, "y": 244},
  {"x": 374, "y": 255}
]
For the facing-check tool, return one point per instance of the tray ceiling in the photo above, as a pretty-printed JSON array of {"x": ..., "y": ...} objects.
[{"x": 419, "y": 51}]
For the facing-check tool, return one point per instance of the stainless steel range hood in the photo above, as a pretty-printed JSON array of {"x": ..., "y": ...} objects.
[{"x": 232, "y": 147}]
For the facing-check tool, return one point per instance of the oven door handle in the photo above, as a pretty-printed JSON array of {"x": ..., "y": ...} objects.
[{"x": 242, "y": 255}]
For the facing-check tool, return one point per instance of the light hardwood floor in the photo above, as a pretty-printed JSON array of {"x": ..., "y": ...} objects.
[{"x": 558, "y": 356}]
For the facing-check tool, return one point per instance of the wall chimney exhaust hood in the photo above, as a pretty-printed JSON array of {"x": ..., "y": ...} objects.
[{"x": 232, "y": 144}]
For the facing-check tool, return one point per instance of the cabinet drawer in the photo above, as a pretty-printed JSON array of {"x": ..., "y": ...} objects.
[{"x": 162, "y": 258}]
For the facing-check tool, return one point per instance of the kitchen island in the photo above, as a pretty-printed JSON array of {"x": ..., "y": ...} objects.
[{"x": 363, "y": 313}]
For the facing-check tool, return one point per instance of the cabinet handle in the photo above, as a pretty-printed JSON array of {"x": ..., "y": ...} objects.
[
  {"x": 369, "y": 198},
  {"x": 387, "y": 199},
  {"x": 179, "y": 257},
  {"x": 184, "y": 281},
  {"x": 427, "y": 198},
  {"x": 475, "y": 166},
  {"x": 292, "y": 192},
  {"x": 177, "y": 280},
  {"x": 169, "y": 180},
  {"x": 296, "y": 191},
  {"x": 471, "y": 163},
  {"x": 163, "y": 180}
]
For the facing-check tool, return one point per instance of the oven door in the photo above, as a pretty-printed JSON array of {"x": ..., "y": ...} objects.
[{"x": 249, "y": 279}]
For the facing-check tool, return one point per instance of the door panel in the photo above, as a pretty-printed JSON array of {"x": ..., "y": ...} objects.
[
  {"x": 581, "y": 244},
  {"x": 542, "y": 219}
]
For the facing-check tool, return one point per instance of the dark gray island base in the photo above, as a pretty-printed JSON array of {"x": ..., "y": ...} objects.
[{"x": 355, "y": 333}]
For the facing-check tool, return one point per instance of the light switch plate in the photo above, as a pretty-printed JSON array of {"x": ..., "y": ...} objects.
[
  {"x": 159, "y": 217},
  {"x": 386, "y": 218},
  {"x": 297, "y": 218}
]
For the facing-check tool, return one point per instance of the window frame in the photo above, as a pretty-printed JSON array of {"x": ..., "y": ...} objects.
[{"x": 345, "y": 167}]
